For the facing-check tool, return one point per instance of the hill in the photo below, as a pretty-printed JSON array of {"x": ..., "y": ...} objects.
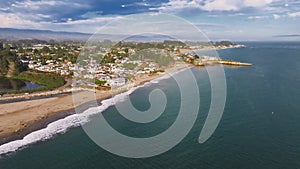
[
  {"x": 18, "y": 34},
  {"x": 21, "y": 34}
]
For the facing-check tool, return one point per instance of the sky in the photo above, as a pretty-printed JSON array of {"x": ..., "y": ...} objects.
[{"x": 254, "y": 20}]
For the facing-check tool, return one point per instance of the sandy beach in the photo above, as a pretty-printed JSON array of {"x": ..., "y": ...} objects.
[{"x": 21, "y": 118}]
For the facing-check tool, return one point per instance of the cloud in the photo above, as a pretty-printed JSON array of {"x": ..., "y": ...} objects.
[
  {"x": 275, "y": 16},
  {"x": 234, "y": 5},
  {"x": 258, "y": 17},
  {"x": 97, "y": 20},
  {"x": 213, "y": 5},
  {"x": 4, "y": 8},
  {"x": 221, "y": 5},
  {"x": 215, "y": 17},
  {"x": 61, "y": 10},
  {"x": 46, "y": 10},
  {"x": 44, "y": 4},
  {"x": 136, "y": 4},
  {"x": 209, "y": 26},
  {"x": 256, "y": 3},
  {"x": 294, "y": 14},
  {"x": 35, "y": 5},
  {"x": 89, "y": 25},
  {"x": 178, "y": 4},
  {"x": 13, "y": 20}
]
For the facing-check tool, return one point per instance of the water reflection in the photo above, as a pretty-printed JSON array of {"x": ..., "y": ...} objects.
[{"x": 7, "y": 84}]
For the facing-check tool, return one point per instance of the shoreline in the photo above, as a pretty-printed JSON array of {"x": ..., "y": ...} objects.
[
  {"x": 21, "y": 119},
  {"x": 211, "y": 48}
]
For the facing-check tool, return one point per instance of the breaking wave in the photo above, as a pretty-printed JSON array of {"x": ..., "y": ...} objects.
[{"x": 63, "y": 125}]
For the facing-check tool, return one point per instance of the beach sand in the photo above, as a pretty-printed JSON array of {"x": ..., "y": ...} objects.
[{"x": 18, "y": 119}]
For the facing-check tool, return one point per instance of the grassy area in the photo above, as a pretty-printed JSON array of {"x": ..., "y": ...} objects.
[
  {"x": 99, "y": 82},
  {"x": 48, "y": 81},
  {"x": 130, "y": 66}
]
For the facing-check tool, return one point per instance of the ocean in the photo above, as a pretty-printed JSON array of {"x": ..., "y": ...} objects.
[{"x": 259, "y": 128}]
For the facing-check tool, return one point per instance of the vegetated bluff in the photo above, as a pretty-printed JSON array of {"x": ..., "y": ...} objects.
[{"x": 10, "y": 64}]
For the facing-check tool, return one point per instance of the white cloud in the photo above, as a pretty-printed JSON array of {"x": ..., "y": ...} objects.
[
  {"x": 13, "y": 20},
  {"x": 35, "y": 5},
  {"x": 97, "y": 20},
  {"x": 213, "y": 5},
  {"x": 136, "y": 4},
  {"x": 257, "y": 17},
  {"x": 179, "y": 4},
  {"x": 221, "y": 5},
  {"x": 256, "y": 3},
  {"x": 43, "y": 16},
  {"x": 88, "y": 25},
  {"x": 44, "y": 4},
  {"x": 294, "y": 14},
  {"x": 45, "y": 9},
  {"x": 4, "y": 8},
  {"x": 276, "y": 16}
]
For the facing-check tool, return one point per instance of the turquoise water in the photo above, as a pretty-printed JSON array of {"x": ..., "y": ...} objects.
[{"x": 260, "y": 126}]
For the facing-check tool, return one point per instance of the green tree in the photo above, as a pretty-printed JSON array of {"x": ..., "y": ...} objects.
[{"x": 45, "y": 49}]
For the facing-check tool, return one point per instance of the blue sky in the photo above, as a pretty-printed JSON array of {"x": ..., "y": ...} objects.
[{"x": 219, "y": 19}]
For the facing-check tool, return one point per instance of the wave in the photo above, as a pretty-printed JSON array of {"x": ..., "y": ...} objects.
[{"x": 63, "y": 125}]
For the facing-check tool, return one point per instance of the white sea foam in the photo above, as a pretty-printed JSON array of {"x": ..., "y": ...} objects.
[{"x": 63, "y": 125}]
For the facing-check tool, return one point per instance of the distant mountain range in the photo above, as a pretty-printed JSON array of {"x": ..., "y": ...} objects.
[
  {"x": 19, "y": 34},
  {"x": 287, "y": 36}
]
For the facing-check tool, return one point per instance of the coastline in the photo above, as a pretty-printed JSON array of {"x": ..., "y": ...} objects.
[
  {"x": 22, "y": 118},
  {"x": 211, "y": 48}
]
